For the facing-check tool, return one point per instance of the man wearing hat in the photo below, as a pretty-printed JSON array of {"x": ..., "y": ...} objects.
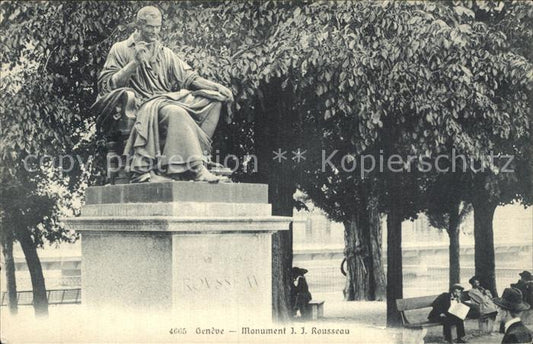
[
  {"x": 525, "y": 275},
  {"x": 482, "y": 305},
  {"x": 525, "y": 284},
  {"x": 512, "y": 305},
  {"x": 300, "y": 293},
  {"x": 440, "y": 313}
]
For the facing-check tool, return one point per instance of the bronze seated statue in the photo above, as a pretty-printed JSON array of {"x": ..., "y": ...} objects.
[
  {"x": 115, "y": 123},
  {"x": 157, "y": 114}
]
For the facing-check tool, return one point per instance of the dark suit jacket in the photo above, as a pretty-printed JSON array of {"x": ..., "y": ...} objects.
[
  {"x": 440, "y": 305},
  {"x": 517, "y": 333},
  {"x": 303, "y": 296}
]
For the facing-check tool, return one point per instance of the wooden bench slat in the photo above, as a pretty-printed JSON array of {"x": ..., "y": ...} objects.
[
  {"x": 415, "y": 303},
  {"x": 412, "y": 304},
  {"x": 422, "y": 324}
]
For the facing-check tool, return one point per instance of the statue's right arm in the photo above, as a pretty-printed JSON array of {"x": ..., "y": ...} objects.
[
  {"x": 122, "y": 76},
  {"x": 117, "y": 71}
]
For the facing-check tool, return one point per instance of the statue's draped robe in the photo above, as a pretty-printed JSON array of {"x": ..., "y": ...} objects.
[{"x": 168, "y": 132}]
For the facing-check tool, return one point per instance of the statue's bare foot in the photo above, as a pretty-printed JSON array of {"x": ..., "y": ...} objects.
[
  {"x": 156, "y": 178},
  {"x": 218, "y": 169},
  {"x": 149, "y": 177},
  {"x": 212, "y": 164},
  {"x": 140, "y": 178},
  {"x": 202, "y": 174}
]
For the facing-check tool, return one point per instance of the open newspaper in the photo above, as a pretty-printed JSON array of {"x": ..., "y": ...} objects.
[{"x": 460, "y": 310}]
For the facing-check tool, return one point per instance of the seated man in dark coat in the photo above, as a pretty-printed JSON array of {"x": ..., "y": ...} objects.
[
  {"x": 440, "y": 313},
  {"x": 511, "y": 305},
  {"x": 301, "y": 294}
]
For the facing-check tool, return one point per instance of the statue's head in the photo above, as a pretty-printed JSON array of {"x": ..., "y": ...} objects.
[{"x": 149, "y": 23}]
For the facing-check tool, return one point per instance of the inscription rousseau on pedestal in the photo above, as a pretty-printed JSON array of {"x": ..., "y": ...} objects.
[{"x": 220, "y": 283}]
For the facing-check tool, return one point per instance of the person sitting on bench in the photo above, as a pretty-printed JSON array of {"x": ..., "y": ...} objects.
[
  {"x": 483, "y": 307},
  {"x": 301, "y": 294},
  {"x": 440, "y": 313}
]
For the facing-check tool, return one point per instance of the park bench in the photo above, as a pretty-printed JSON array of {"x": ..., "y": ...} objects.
[
  {"x": 416, "y": 303},
  {"x": 317, "y": 309}
]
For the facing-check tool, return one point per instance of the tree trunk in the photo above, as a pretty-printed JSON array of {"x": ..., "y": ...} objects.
[
  {"x": 281, "y": 272},
  {"x": 377, "y": 273},
  {"x": 281, "y": 260},
  {"x": 395, "y": 212},
  {"x": 394, "y": 266},
  {"x": 270, "y": 133},
  {"x": 356, "y": 254},
  {"x": 455, "y": 267},
  {"x": 365, "y": 278},
  {"x": 349, "y": 258},
  {"x": 7, "y": 250},
  {"x": 454, "y": 253},
  {"x": 40, "y": 300},
  {"x": 484, "y": 242},
  {"x": 280, "y": 191}
]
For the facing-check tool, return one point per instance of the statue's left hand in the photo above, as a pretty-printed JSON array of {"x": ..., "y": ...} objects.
[
  {"x": 226, "y": 92},
  {"x": 209, "y": 94}
]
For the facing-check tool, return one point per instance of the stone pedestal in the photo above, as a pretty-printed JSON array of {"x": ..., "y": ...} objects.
[{"x": 195, "y": 249}]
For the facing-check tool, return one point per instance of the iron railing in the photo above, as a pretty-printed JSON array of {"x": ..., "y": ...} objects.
[{"x": 55, "y": 297}]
